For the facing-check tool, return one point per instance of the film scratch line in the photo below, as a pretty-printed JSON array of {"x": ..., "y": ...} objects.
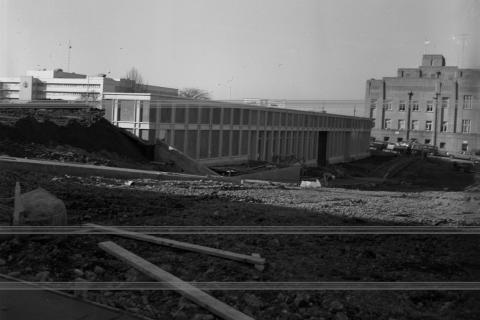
[
  {"x": 320, "y": 230},
  {"x": 246, "y": 286}
]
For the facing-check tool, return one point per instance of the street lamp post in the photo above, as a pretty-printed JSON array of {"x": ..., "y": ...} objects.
[
  {"x": 410, "y": 94},
  {"x": 435, "y": 118}
]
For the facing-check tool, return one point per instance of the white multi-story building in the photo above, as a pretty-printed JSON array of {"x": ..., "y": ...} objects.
[{"x": 60, "y": 85}]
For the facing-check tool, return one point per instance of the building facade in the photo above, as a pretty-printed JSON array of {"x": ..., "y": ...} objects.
[
  {"x": 59, "y": 85},
  {"x": 215, "y": 132},
  {"x": 434, "y": 104},
  {"x": 212, "y": 132}
]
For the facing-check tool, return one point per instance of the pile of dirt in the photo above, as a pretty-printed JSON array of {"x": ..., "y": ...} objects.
[{"x": 99, "y": 136}]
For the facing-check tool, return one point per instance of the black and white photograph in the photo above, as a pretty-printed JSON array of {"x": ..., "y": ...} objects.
[{"x": 240, "y": 159}]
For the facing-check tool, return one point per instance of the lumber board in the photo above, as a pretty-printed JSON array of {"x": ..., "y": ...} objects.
[
  {"x": 201, "y": 298},
  {"x": 256, "y": 260}
]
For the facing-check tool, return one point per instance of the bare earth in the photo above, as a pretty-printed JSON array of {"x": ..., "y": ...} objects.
[{"x": 289, "y": 257}]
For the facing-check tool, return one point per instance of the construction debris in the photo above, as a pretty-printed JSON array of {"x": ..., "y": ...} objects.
[
  {"x": 254, "y": 259},
  {"x": 187, "y": 290},
  {"x": 311, "y": 184}
]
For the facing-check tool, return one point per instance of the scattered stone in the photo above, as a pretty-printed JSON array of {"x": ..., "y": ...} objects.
[
  {"x": 90, "y": 275},
  {"x": 40, "y": 207},
  {"x": 336, "y": 305},
  {"x": 78, "y": 272},
  {"x": 180, "y": 315},
  {"x": 301, "y": 300},
  {"x": 14, "y": 274},
  {"x": 252, "y": 300},
  {"x": 42, "y": 276},
  {"x": 341, "y": 316},
  {"x": 98, "y": 270},
  {"x": 200, "y": 316}
]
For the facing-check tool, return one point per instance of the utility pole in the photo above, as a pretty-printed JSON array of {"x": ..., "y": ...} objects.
[
  {"x": 435, "y": 118},
  {"x": 410, "y": 94}
]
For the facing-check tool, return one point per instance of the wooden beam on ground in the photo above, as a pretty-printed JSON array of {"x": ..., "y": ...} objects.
[
  {"x": 204, "y": 300},
  {"x": 254, "y": 259},
  {"x": 17, "y": 205}
]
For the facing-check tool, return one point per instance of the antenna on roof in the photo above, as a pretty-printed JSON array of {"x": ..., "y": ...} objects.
[
  {"x": 463, "y": 39},
  {"x": 68, "y": 56},
  {"x": 425, "y": 44}
]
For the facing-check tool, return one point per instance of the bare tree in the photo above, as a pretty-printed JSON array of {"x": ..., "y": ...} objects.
[
  {"x": 137, "y": 85},
  {"x": 194, "y": 93}
]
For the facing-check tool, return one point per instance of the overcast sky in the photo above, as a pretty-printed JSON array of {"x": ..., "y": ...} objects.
[{"x": 294, "y": 49}]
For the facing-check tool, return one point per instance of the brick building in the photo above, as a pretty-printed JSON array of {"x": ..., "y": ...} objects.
[{"x": 434, "y": 104}]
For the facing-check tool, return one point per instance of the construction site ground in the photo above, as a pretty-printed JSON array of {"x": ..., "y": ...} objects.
[{"x": 418, "y": 195}]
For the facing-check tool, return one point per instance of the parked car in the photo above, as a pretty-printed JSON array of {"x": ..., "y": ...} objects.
[
  {"x": 377, "y": 145},
  {"x": 465, "y": 155},
  {"x": 418, "y": 148}
]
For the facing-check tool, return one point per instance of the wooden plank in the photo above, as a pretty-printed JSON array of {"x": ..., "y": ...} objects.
[
  {"x": 253, "y": 259},
  {"x": 17, "y": 205},
  {"x": 187, "y": 290}
]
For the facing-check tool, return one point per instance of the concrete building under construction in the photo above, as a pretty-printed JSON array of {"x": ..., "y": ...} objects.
[{"x": 215, "y": 132}]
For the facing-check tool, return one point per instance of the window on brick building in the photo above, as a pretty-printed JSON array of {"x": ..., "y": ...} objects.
[
  {"x": 427, "y": 141},
  {"x": 466, "y": 124},
  {"x": 401, "y": 124},
  {"x": 429, "y": 106},
  {"x": 467, "y": 102},
  {"x": 414, "y": 125},
  {"x": 401, "y": 106},
  {"x": 415, "y": 106},
  {"x": 442, "y": 145},
  {"x": 387, "y": 124},
  {"x": 387, "y": 105},
  {"x": 428, "y": 125},
  {"x": 444, "y": 126},
  {"x": 445, "y": 102}
]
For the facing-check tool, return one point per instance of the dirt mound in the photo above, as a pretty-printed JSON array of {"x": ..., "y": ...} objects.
[{"x": 100, "y": 136}]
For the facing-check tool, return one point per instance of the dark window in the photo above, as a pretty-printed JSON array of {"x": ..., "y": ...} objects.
[
  {"x": 193, "y": 115},
  {"x": 205, "y": 115},
  {"x": 166, "y": 115},
  {"x": 246, "y": 116},
  {"x": 236, "y": 116},
  {"x": 180, "y": 115},
  {"x": 254, "y": 120},
  {"x": 226, "y": 116},
  {"x": 216, "y": 115},
  {"x": 386, "y": 139}
]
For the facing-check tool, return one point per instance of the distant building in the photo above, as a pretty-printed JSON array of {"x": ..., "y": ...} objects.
[
  {"x": 342, "y": 107},
  {"x": 60, "y": 85},
  {"x": 434, "y": 104}
]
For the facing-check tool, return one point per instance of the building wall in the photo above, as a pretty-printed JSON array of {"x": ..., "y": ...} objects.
[
  {"x": 438, "y": 103},
  {"x": 219, "y": 132}
]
